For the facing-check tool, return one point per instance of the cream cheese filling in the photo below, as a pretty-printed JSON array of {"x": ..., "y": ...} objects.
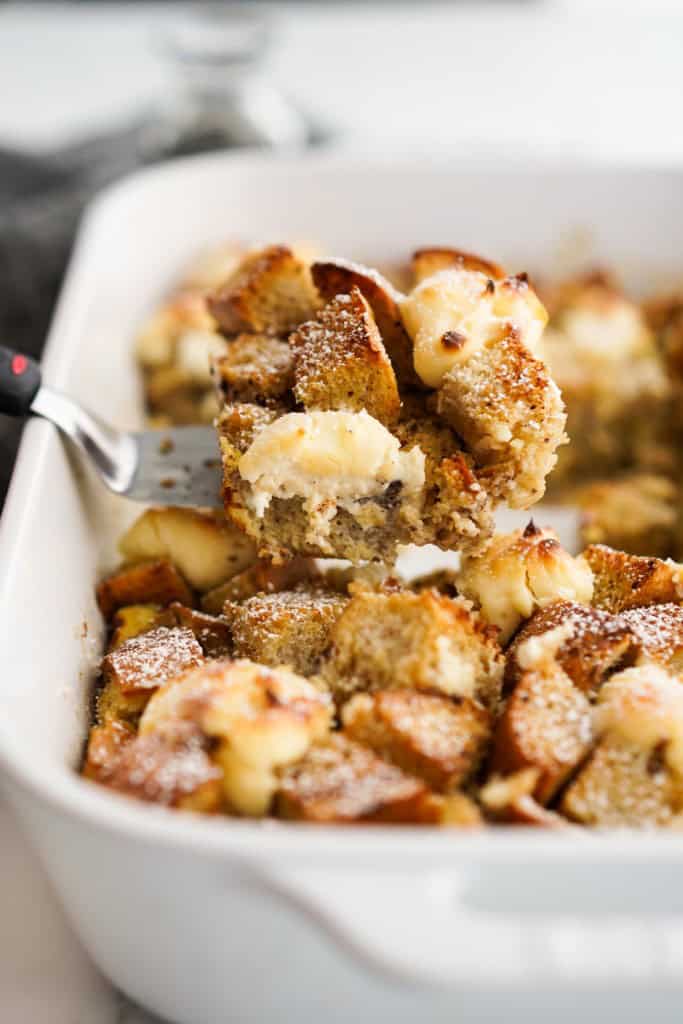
[
  {"x": 454, "y": 312},
  {"x": 330, "y": 459}
]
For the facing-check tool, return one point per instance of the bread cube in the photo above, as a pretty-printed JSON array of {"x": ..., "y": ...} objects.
[
  {"x": 255, "y": 368},
  {"x": 105, "y": 744},
  {"x": 205, "y": 547},
  {"x": 635, "y": 775},
  {"x": 271, "y": 292},
  {"x": 212, "y": 632},
  {"x": 291, "y": 627},
  {"x": 546, "y": 725},
  {"x": 341, "y": 363},
  {"x": 263, "y": 577},
  {"x": 156, "y": 582},
  {"x": 427, "y": 262},
  {"x": 173, "y": 769},
  {"x": 341, "y": 781},
  {"x": 502, "y": 401},
  {"x": 421, "y": 640},
  {"x": 623, "y": 581},
  {"x": 658, "y": 633},
  {"x": 258, "y": 720},
  {"x": 340, "y": 277},
  {"x": 596, "y": 645},
  {"x": 147, "y": 661},
  {"x": 438, "y": 739},
  {"x": 132, "y": 620},
  {"x": 520, "y": 572}
]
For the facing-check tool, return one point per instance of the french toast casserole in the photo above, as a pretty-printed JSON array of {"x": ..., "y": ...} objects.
[{"x": 268, "y": 659}]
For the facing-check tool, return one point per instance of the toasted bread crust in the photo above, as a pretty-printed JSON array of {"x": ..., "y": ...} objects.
[
  {"x": 439, "y": 740},
  {"x": 626, "y": 581},
  {"x": 255, "y": 368},
  {"x": 504, "y": 404},
  {"x": 270, "y": 292},
  {"x": 621, "y": 785},
  {"x": 147, "y": 661},
  {"x": 546, "y": 725},
  {"x": 287, "y": 628},
  {"x": 156, "y": 582},
  {"x": 428, "y": 261},
  {"x": 598, "y": 644},
  {"x": 342, "y": 781},
  {"x": 418, "y": 640},
  {"x": 339, "y": 277},
  {"x": 340, "y": 361},
  {"x": 212, "y": 632},
  {"x": 174, "y": 770}
]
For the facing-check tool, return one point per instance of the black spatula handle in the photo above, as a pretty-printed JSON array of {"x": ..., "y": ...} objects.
[{"x": 19, "y": 382}]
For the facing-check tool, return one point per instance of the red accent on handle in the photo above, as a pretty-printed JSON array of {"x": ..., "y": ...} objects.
[{"x": 19, "y": 364}]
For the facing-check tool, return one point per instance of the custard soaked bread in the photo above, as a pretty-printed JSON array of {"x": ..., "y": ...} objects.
[
  {"x": 350, "y": 448},
  {"x": 363, "y": 698},
  {"x": 530, "y": 686}
]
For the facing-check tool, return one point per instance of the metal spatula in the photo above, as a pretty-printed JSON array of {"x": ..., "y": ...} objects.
[{"x": 178, "y": 466}]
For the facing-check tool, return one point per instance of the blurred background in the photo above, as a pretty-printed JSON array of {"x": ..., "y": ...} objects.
[{"x": 90, "y": 90}]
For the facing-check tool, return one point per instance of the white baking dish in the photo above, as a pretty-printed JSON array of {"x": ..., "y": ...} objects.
[{"x": 206, "y": 921}]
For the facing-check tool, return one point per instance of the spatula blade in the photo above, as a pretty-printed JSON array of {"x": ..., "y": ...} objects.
[{"x": 178, "y": 466}]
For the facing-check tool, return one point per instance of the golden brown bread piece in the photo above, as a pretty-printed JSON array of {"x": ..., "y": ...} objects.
[
  {"x": 256, "y": 720},
  {"x": 426, "y": 262},
  {"x": 504, "y": 404},
  {"x": 131, "y": 620},
  {"x": 202, "y": 544},
  {"x": 626, "y": 581},
  {"x": 339, "y": 277},
  {"x": 156, "y": 582},
  {"x": 255, "y": 368},
  {"x": 422, "y": 640},
  {"x": 147, "y": 661},
  {"x": 545, "y": 725},
  {"x": 271, "y": 292},
  {"x": 519, "y": 572},
  {"x": 105, "y": 744},
  {"x": 212, "y": 632},
  {"x": 291, "y": 627},
  {"x": 263, "y": 577},
  {"x": 597, "y": 645},
  {"x": 342, "y": 781},
  {"x": 637, "y": 513},
  {"x": 440, "y": 740},
  {"x": 340, "y": 361},
  {"x": 173, "y": 769},
  {"x": 635, "y": 774},
  {"x": 621, "y": 786},
  {"x": 658, "y": 633}
]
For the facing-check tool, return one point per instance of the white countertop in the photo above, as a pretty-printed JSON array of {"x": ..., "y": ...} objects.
[{"x": 606, "y": 80}]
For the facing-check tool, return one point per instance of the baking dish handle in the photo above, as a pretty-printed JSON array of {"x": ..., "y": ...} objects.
[{"x": 554, "y": 924}]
